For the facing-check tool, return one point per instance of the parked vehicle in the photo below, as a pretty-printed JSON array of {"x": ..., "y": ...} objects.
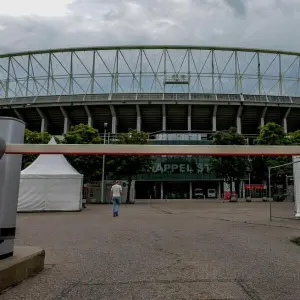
[
  {"x": 198, "y": 193},
  {"x": 211, "y": 193}
]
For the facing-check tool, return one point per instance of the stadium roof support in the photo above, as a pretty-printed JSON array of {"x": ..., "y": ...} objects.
[
  {"x": 284, "y": 121},
  {"x": 262, "y": 118},
  {"x": 114, "y": 119},
  {"x": 214, "y": 118},
  {"x": 67, "y": 121},
  {"x": 89, "y": 115},
  {"x": 164, "y": 117},
  {"x": 19, "y": 115},
  {"x": 138, "y": 118},
  {"x": 238, "y": 119},
  {"x": 44, "y": 121},
  {"x": 189, "y": 120},
  {"x": 149, "y": 69}
]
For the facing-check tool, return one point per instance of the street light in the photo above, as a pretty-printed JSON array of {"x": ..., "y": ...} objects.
[{"x": 103, "y": 166}]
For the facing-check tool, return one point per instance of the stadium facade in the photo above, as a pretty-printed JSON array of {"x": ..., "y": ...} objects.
[{"x": 179, "y": 94}]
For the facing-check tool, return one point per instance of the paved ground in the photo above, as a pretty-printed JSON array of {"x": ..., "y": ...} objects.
[{"x": 164, "y": 251}]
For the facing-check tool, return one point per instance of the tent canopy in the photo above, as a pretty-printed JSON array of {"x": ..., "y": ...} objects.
[
  {"x": 50, "y": 183},
  {"x": 50, "y": 165}
]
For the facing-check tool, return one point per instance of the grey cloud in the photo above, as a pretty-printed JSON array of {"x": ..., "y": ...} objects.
[
  {"x": 238, "y": 6},
  {"x": 119, "y": 22}
]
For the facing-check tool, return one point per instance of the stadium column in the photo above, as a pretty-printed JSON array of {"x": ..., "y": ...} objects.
[
  {"x": 164, "y": 118},
  {"x": 89, "y": 115},
  {"x": 138, "y": 119},
  {"x": 19, "y": 115},
  {"x": 284, "y": 121},
  {"x": 113, "y": 119},
  {"x": 44, "y": 121},
  {"x": 66, "y": 120},
  {"x": 214, "y": 118},
  {"x": 239, "y": 120},
  {"x": 262, "y": 118},
  {"x": 189, "y": 120},
  {"x": 161, "y": 190}
]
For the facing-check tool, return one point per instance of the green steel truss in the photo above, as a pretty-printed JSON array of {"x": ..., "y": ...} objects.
[{"x": 149, "y": 69}]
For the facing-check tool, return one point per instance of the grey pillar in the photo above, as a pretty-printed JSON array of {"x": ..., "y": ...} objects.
[
  {"x": 189, "y": 120},
  {"x": 138, "y": 119},
  {"x": 19, "y": 115},
  {"x": 214, "y": 118},
  {"x": 239, "y": 120},
  {"x": 262, "y": 118},
  {"x": 66, "y": 120},
  {"x": 164, "y": 117},
  {"x": 161, "y": 190},
  {"x": 284, "y": 121},
  {"x": 11, "y": 131},
  {"x": 44, "y": 122},
  {"x": 114, "y": 119},
  {"x": 89, "y": 115}
]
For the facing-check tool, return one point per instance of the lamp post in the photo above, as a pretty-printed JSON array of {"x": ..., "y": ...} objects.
[
  {"x": 103, "y": 166},
  {"x": 249, "y": 170}
]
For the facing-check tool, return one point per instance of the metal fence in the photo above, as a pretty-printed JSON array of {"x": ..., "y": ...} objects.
[{"x": 92, "y": 193}]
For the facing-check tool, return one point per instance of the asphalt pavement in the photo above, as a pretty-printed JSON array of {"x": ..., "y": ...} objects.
[{"x": 169, "y": 250}]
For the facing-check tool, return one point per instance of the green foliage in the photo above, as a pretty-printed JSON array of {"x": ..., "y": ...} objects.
[
  {"x": 229, "y": 167},
  {"x": 294, "y": 138},
  {"x": 33, "y": 137},
  {"x": 273, "y": 134},
  {"x": 88, "y": 165},
  {"x": 130, "y": 166}
]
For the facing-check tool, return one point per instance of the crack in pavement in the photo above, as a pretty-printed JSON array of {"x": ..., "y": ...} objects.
[
  {"x": 248, "y": 290},
  {"x": 137, "y": 282}
]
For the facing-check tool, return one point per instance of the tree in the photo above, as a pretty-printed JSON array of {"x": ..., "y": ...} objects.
[
  {"x": 230, "y": 168},
  {"x": 294, "y": 137},
  {"x": 34, "y": 137},
  {"x": 272, "y": 134},
  {"x": 130, "y": 166},
  {"x": 89, "y": 166}
]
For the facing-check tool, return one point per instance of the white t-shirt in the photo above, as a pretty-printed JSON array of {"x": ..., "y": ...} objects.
[{"x": 116, "y": 190}]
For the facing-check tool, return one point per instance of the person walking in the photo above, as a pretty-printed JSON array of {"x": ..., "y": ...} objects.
[{"x": 115, "y": 196}]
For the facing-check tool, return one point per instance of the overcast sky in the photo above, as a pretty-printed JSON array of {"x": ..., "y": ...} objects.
[{"x": 39, "y": 24}]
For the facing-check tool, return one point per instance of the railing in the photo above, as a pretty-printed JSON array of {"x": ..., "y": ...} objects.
[{"x": 149, "y": 96}]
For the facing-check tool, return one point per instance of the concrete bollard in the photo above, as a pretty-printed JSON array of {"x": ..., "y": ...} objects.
[{"x": 11, "y": 131}]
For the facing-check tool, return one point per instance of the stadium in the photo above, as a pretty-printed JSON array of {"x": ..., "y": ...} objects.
[{"x": 178, "y": 94}]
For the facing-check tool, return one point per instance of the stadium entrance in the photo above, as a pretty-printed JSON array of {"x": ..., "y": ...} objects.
[{"x": 177, "y": 189}]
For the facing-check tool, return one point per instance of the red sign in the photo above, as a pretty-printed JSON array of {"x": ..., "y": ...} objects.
[
  {"x": 227, "y": 195},
  {"x": 254, "y": 187}
]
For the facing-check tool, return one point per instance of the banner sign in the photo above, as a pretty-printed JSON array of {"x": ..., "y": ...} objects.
[
  {"x": 255, "y": 187},
  {"x": 179, "y": 168}
]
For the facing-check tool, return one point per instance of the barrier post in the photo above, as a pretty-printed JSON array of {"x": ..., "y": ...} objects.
[
  {"x": 2, "y": 147},
  {"x": 11, "y": 131}
]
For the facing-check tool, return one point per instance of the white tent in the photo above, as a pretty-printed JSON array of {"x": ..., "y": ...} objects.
[{"x": 50, "y": 183}]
